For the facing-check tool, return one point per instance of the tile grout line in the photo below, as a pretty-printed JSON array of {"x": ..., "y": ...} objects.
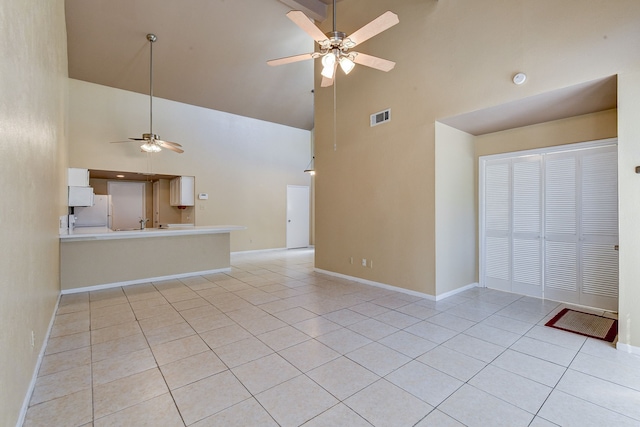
[{"x": 324, "y": 291}]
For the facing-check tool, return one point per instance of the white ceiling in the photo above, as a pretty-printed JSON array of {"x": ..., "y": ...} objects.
[{"x": 209, "y": 53}]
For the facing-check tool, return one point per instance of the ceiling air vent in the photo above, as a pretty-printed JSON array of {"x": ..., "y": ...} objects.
[{"x": 381, "y": 117}]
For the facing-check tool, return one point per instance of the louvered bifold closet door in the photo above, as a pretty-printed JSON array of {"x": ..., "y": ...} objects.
[
  {"x": 527, "y": 225},
  {"x": 561, "y": 227},
  {"x": 599, "y": 228},
  {"x": 497, "y": 220}
]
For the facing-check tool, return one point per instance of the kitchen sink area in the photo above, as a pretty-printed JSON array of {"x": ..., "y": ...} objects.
[
  {"x": 126, "y": 220},
  {"x": 126, "y": 201}
]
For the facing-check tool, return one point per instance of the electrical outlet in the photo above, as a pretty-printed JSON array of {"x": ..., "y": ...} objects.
[
  {"x": 364, "y": 262},
  {"x": 33, "y": 339},
  {"x": 350, "y": 260},
  {"x": 371, "y": 264}
]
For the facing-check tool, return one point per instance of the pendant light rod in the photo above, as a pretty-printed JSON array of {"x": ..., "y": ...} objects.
[
  {"x": 334, "y": 16},
  {"x": 152, "y": 38}
]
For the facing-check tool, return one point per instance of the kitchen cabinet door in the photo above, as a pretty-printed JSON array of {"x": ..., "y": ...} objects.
[
  {"x": 78, "y": 177},
  {"x": 80, "y": 196},
  {"x": 181, "y": 191}
]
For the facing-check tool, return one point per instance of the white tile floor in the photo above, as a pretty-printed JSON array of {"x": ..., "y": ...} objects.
[{"x": 274, "y": 343}]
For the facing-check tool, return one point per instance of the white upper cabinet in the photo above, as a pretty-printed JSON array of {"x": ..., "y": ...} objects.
[
  {"x": 80, "y": 196},
  {"x": 78, "y": 177},
  {"x": 181, "y": 191}
]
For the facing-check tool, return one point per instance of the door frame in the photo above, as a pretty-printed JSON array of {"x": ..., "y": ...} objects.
[
  {"x": 140, "y": 183},
  {"x": 307, "y": 214}
]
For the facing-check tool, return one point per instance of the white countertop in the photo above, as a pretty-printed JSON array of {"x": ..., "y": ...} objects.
[{"x": 102, "y": 233}]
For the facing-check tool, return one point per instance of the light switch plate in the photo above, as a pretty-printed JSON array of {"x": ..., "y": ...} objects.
[{"x": 64, "y": 222}]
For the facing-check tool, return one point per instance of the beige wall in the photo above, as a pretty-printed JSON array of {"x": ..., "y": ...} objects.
[
  {"x": 588, "y": 127},
  {"x": 376, "y": 193},
  {"x": 99, "y": 185},
  {"x": 243, "y": 164},
  {"x": 456, "y": 220},
  {"x": 33, "y": 176},
  {"x": 629, "y": 206}
]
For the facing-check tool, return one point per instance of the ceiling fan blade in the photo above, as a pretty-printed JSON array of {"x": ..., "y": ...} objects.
[
  {"x": 302, "y": 21},
  {"x": 290, "y": 59},
  {"x": 164, "y": 144},
  {"x": 327, "y": 82},
  {"x": 374, "y": 62},
  {"x": 175, "y": 144},
  {"x": 378, "y": 25},
  {"x": 137, "y": 139}
]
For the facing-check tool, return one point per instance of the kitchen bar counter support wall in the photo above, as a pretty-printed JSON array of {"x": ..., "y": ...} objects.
[{"x": 94, "y": 263}]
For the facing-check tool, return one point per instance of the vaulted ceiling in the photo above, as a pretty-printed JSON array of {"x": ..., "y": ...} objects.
[
  {"x": 209, "y": 53},
  {"x": 213, "y": 53}
]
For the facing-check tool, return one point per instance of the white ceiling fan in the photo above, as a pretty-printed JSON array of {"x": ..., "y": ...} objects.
[
  {"x": 152, "y": 142},
  {"x": 335, "y": 45}
]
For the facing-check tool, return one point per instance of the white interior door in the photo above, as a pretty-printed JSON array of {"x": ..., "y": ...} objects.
[
  {"x": 526, "y": 243},
  {"x": 561, "y": 227},
  {"x": 127, "y": 200},
  {"x": 599, "y": 228},
  {"x": 582, "y": 227},
  {"x": 497, "y": 225},
  {"x": 550, "y": 225},
  {"x": 297, "y": 216},
  {"x": 512, "y": 225}
]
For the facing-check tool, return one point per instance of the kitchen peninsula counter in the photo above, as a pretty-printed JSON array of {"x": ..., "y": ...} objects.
[
  {"x": 93, "y": 258},
  {"x": 96, "y": 233}
]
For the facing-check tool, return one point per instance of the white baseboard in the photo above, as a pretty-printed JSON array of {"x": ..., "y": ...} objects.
[
  {"x": 258, "y": 251},
  {"x": 147, "y": 280},
  {"x": 457, "y": 291},
  {"x": 34, "y": 377},
  {"x": 396, "y": 288},
  {"x": 628, "y": 348}
]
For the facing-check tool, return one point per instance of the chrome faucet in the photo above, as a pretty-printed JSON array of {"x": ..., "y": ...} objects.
[{"x": 143, "y": 223}]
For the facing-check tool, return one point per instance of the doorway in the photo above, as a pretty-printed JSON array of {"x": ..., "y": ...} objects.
[
  {"x": 128, "y": 206},
  {"x": 549, "y": 223},
  {"x": 297, "y": 216}
]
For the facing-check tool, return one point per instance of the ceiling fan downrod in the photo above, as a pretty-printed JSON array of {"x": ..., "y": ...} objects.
[
  {"x": 152, "y": 38},
  {"x": 334, "y": 17}
]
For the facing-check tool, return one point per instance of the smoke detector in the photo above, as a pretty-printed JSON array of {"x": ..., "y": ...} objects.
[{"x": 519, "y": 78}]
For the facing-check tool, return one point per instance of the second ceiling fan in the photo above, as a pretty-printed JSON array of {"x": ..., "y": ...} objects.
[
  {"x": 335, "y": 46},
  {"x": 152, "y": 141}
]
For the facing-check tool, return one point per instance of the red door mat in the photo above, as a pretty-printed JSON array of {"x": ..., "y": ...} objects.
[{"x": 590, "y": 325}]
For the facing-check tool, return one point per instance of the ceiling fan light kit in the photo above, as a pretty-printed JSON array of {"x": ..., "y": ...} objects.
[
  {"x": 335, "y": 45},
  {"x": 347, "y": 64}
]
